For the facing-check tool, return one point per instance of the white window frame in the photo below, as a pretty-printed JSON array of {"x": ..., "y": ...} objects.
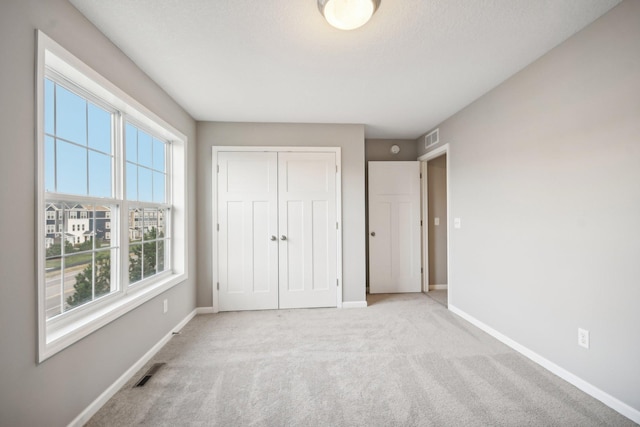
[{"x": 68, "y": 328}]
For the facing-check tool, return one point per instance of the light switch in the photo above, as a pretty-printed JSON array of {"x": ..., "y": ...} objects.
[
  {"x": 457, "y": 223},
  {"x": 436, "y": 221}
]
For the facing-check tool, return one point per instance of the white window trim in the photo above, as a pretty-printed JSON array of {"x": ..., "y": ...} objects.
[{"x": 87, "y": 319}]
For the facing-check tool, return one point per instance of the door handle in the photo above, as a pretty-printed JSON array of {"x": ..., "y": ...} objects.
[
  {"x": 273, "y": 238},
  {"x": 283, "y": 237},
  {"x": 373, "y": 234}
]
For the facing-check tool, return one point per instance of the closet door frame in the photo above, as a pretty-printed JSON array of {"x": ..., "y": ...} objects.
[{"x": 214, "y": 213}]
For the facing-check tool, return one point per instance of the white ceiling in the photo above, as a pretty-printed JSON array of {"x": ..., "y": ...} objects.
[{"x": 414, "y": 64}]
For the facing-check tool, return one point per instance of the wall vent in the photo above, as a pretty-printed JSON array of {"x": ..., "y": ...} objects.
[{"x": 432, "y": 138}]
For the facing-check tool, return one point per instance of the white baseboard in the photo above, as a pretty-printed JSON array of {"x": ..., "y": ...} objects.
[
  {"x": 354, "y": 304},
  {"x": 615, "y": 404},
  {"x": 438, "y": 287},
  {"x": 205, "y": 310},
  {"x": 113, "y": 388}
]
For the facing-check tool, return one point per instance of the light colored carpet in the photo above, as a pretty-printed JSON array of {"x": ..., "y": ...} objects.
[
  {"x": 403, "y": 361},
  {"x": 439, "y": 295}
]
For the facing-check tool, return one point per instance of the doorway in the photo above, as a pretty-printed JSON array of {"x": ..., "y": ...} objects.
[{"x": 435, "y": 215}]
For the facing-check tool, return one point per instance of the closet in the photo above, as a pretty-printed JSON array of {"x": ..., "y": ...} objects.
[{"x": 277, "y": 229}]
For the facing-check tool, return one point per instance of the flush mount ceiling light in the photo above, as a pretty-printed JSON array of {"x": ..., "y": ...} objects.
[{"x": 348, "y": 14}]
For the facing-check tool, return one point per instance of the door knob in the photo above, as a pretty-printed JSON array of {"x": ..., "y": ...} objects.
[
  {"x": 273, "y": 238},
  {"x": 283, "y": 237},
  {"x": 373, "y": 234}
]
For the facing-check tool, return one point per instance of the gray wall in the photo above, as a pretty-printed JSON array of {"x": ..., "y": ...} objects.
[
  {"x": 56, "y": 391},
  {"x": 437, "y": 191},
  {"x": 349, "y": 137},
  {"x": 545, "y": 175},
  {"x": 379, "y": 150}
]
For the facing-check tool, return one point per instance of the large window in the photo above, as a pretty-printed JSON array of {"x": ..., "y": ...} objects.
[{"x": 111, "y": 201}]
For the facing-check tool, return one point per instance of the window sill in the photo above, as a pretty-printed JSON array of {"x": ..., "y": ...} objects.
[{"x": 60, "y": 336}]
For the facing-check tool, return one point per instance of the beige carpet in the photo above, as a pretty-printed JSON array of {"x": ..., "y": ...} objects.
[
  {"x": 403, "y": 361},
  {"x": 440, "y": 296}
]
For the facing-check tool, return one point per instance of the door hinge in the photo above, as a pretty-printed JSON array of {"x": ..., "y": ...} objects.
[
  {"x": 337, "y": 282},
  {"x": 217, "y": 227},
  {"x": 420, "y": 223},
  {"x": 420, "y": 175},
  {"x": 337, "y": 226},
  {"x": 218, "y": 286},
  {"x": 421, "y": 270},
  {"x": 218, "y": 168},
  {"x": 336, "y": 168}
]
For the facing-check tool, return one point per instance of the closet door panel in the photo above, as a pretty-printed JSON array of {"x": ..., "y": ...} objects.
[
  {"x": 248, "y": 218},
  {"x": 307, "y": 225}
]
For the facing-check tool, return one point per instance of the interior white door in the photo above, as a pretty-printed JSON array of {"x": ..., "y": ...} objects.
[
  {"x": 307, "y": 225},
  {"x": 394, "y": 227},
  {"x": 248, "y": 230}
]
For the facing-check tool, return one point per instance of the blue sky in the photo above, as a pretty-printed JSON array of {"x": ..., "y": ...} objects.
[{"x": 78, "y": 153}]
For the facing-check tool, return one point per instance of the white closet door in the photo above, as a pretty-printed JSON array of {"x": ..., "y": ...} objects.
[
  {"x": 394, "y": 227},
  {"x": 248, "y": 219},
  {"x": 307, "y": 225}
]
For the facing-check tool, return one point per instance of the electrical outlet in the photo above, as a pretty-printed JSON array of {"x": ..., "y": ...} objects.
[
  {"x": 583, "y": 338},
  {"x": 165, "y": 307}
]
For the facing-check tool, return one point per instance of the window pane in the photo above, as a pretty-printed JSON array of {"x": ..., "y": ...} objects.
[
  {"x": 162, "y": 232},
  {"x": 52, "y": 246},
  {"x": 135, "y": 225},
  {"x": 71, "y": 168},
  {"x": 145, "y": 189},
  {"x": 102, "y": 226},
  {"x": 84, "y": 228},
  {"x": 49, "y": 164},
  {"x": 161, "y": 255},
  {"x": 135, "y": 263},
  {"x": 158, "y": 187},
  {"x": 48, "y": 107},
  {"x": 74, "y": 223},
  {"x": 78, "y": 280},
  {"x": 71, "y": 116},
  {"x": 99, "y": 129},
  {"x": 158, "y": 155},
  {"x": 144, "y": 149},
  {"x": 132, "y": 182},
  {"x": 150, "y": 223},
  {"x": 103, "y": 273},
  {"x": 99, "y": 174},
  {"x": 131, "y": 139},
  {"x": 53, "y": 261},
  {"x": 53, "y": 284},
  {"x": 150, "y": 259}
]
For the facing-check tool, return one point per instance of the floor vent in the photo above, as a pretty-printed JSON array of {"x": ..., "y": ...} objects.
[{"x": 147, "y": 376}]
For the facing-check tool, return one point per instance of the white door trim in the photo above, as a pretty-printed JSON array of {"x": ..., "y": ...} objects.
[
  {"x": 424, "y": 159},
  {"x": 214, "y": 205}
]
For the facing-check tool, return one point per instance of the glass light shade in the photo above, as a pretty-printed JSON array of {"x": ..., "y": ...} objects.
[{"x": 347, "y": 14}]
